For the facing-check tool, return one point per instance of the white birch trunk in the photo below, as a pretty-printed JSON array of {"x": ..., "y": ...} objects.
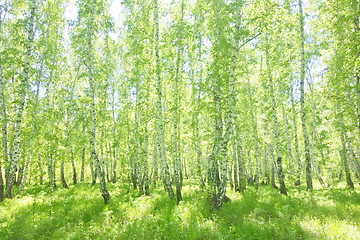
[
  {"x": 105, "y": 194},
  {"x": 275, "y": 125},
  {"x": 309, "y": 184},
  {"x": 160, "y": 124},
  {"x": 22, "y": 90}
]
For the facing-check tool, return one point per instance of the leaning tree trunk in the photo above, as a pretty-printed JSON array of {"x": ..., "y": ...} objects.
[
  {"x": 159, "y": 117},
  {"x": 22, "y": 92},
  {"x": 309, "y": 184},
  {"x": 275, "y": 125}
]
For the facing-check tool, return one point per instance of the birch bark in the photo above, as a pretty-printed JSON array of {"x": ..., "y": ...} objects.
[
  {"x": 159, "y": 117},
  {"x": 309, "y": 184},
  {"x": 22, "y": 92}
]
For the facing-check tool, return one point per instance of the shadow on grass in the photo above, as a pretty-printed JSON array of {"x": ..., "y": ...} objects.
[{"x": 80, "y": 213}]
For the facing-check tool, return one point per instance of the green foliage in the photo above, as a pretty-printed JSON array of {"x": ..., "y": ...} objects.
[{"x": 79, "y": 213}]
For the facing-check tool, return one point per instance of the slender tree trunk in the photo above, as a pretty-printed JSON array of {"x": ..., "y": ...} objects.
[
  {"x": 92, "y": 169},
  {"x": 297, "y": 153},
  {"x": 266, "y": 163},
  {"x": 272, "y": 180},
  {"x": 288, "y": 142},
  {"x": 73, "y": 165},
  {"x": 137, "y": 145},
  {"x": 41, "y": 170},
  {"x": 114, "y": 165},
  {"x": 28, "y": 157},
  {"x": 309, "y": 184},
  {"x": 355, "y": 160},
  {"x": 275, "y": 126},
  {"x": 313, "y": 137},
  {"x": 343, "y": 152},
  {"x": 22, "y": 92},
  {"x": 159, "y": 117},
  {"x": 62, "y": 174},
  {"x": 256, "y": 138},
  {"x": 114, "y": 148},
  {"x": 49, "y": 167},
  {"x": 82, "y": 174},
  {"x": 105, "y": 194},
  {"x": 240, "y": 159},
  {"x": 3, "y": 115},
  {"x": 146, "y": 172},
  {"x": 230, "y": 172},
  {"x": 155, "y": 160},
  {"x": 176, "y": 150},
  {"x": 236, "y": 165}
]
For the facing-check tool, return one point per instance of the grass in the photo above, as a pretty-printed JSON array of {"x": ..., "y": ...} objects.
[{"x": 79, "y": 213}]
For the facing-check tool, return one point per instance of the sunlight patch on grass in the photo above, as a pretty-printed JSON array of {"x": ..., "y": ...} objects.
[{"x": 330, "y": 228}]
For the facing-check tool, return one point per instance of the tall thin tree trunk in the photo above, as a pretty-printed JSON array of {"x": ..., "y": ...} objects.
[
  {"x": 309, "y": 184},
  {"x": 22, "y": 91},
  {"x": 236, "y": 165},
  {"x": 62, "y": 173},
  {"x": 266, "y": 163},
  {"x": 240, "y": 159},
  {"x": 3, "y": 111},
  {"x": 105, "y": 194},
  {"x": 275, "y": 125},
  {"x": 355, "y": 160},
  {"x": 82, "y": 174},
  {"x": 176, "y": 150},
  {"x": 297, "y": 152},
  {"x": 92, "y": 169},
  {"x": 288, "y": 142},
  {"x": 137, "y": 144},
  {"x": 313, "y": 137},
  {"x": 343, "y": 152},
  {"x": 255, "y": 134},
  {"x": 28, "y": 157},
  {"x": 146, "y": 172},
  {"x": 73, "y": 165},
  {"x": 41, "y": 170},
  {"x": 155, "y": 160},
  {"x": 159, "y": 117}
]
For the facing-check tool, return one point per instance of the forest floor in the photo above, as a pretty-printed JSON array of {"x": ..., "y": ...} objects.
[{"x": 80, "y": 213}]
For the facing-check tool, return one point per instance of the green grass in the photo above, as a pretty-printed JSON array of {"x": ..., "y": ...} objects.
[{"x": 79, "y": 213}]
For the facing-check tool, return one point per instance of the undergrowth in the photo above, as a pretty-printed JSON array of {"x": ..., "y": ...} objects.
[{"x": 80, "y": 213}]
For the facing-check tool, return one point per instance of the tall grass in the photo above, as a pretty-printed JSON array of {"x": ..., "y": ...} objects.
[{"x": 79, "y": 213}]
